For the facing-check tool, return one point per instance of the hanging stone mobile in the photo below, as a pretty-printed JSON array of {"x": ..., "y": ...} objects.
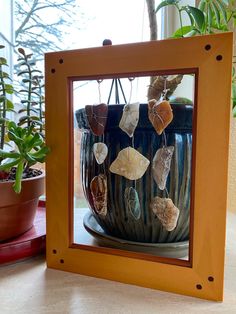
[
  {"x": 129, "y": 119},
  {"x": 166, "y": 212},
  {"x": 97, "y": 118},
  {"x": 100, "y": 152},
  {"x": 161, "y": 165},
  {"x": 160, "y": 114},
  {"x": 98, "y": 187},
  {"x": 130, "y": 164}
]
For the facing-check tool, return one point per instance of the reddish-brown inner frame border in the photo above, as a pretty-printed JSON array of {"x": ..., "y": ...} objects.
[{"x": 137, "y": 255}]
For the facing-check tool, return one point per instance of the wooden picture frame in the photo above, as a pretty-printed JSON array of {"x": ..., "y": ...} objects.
[{"x": 210, "y": 58}]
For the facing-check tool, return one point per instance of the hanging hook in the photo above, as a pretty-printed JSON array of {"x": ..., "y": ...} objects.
[{"x": 131, "y": 88}]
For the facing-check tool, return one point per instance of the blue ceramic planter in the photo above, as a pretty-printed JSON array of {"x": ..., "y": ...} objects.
[{"x": 118, "y": 222}]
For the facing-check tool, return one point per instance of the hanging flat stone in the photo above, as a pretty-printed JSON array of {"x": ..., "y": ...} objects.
[
  {"x": 100, "y": 151},
  {"x": 130, "y": 164},
  {"x": 166, "y": 212},
  {"x": 97, "y": 118},
  {"x": 98, "y": 187},
  {"x": 130, "y": 117},
  {"x": 160, "y": 114},
  {"x": 132, "y": 204},
  {"x": 161, "y": 165}
]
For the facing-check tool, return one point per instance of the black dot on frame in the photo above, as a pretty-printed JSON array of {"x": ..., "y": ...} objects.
[
  {"x": 54, "y": 251},
  {"x": 53, "y": 70},
  {"x": 62, "y": 261},
  {"x": 208, "y": 47},
  {"x": 61, "y": 61},
  {"x": 210, "y": 278},
  {"x": 219, "y": 57},
  {"x": 199, "y": 287}
]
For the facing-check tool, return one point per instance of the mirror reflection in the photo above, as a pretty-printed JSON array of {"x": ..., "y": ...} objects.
[{"x": 132, "y": 163}]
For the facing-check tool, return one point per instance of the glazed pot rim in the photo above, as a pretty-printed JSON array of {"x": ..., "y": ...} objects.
[{"x": 42, "y": 175}]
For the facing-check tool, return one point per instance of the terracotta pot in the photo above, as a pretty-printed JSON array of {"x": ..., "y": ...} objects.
[{"x": 17, "y": 211}]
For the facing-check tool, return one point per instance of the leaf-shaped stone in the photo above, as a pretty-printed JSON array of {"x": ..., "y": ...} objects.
[
  {"x": 161, "y": 165},
  {"x": 97, "y": 117},
  {"x": 132, "y": 204},
  {"x": 130, "y": 117},
  {"x": 98, "y": 187},
  {"x": 100, "y": 151},
  {"x": 160, "y": 114},
  {"x": 130, "y": 164},
  {"x": 166, "y": 212}
]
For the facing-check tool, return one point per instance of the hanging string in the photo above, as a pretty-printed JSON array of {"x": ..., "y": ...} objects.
[
  {"x": 131, "y": 88},
  {"x": 166, "y": 192},
  {"x": 165, "y": 90},
  {"x": 131, "y": 79},
  {"x": 99, "y": 90}
]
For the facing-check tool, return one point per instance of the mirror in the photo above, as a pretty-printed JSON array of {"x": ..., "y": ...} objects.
[{"x": 133, "y": 164}]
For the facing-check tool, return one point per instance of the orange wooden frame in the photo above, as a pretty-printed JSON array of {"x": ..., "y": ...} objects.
[{"x": 212, "y": 57}]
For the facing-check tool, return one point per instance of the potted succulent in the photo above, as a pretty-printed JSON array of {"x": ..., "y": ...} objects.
[{"x": 22, "y": 145}]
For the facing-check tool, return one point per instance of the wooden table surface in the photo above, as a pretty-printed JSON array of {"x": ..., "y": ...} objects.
[{"x": 29, "y": 287}]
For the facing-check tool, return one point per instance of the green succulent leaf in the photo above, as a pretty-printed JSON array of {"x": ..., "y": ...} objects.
[
  {"x": 2, "y": 98},
  {"x": 15, "y": 138},
  {"x": 8, "y": 163},
  {"x": 5, "y": 154},
  {"x": 9, "y": 104},
  {"x": 19, "y": 172},
  {"x": 3, "y": 61},
  {"x": 9, "y": 89},
  {"x": 5, "y": 75},
  {"x": 41, "y": 153}
]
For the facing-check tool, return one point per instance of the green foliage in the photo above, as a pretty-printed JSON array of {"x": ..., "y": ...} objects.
[
  {"x": 30, "y": 149},
  {"x": 6, "y": 105},
  {"x": 211, "y": 16},
  {"x": 27, "y": 135},
  {"x": 31, "y": 93}
]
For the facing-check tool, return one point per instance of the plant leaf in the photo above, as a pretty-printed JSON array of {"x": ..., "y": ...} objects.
[
  {"x": 5, "y": 154},
  {"x": 3, "y": 61},
  {"x": 9, "y": 104},
  {"x": 201, "y": 5},
  {"x": 222, "y": 10},
  {"x": 9, "y": 163},
  {"x": 166, "y": 3},
  {"x": 19, "y": 172},
  {"x": 216, "y": 13},
  {"x": 182, "y": 31},
  {"x": 197, "y": 15}
]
